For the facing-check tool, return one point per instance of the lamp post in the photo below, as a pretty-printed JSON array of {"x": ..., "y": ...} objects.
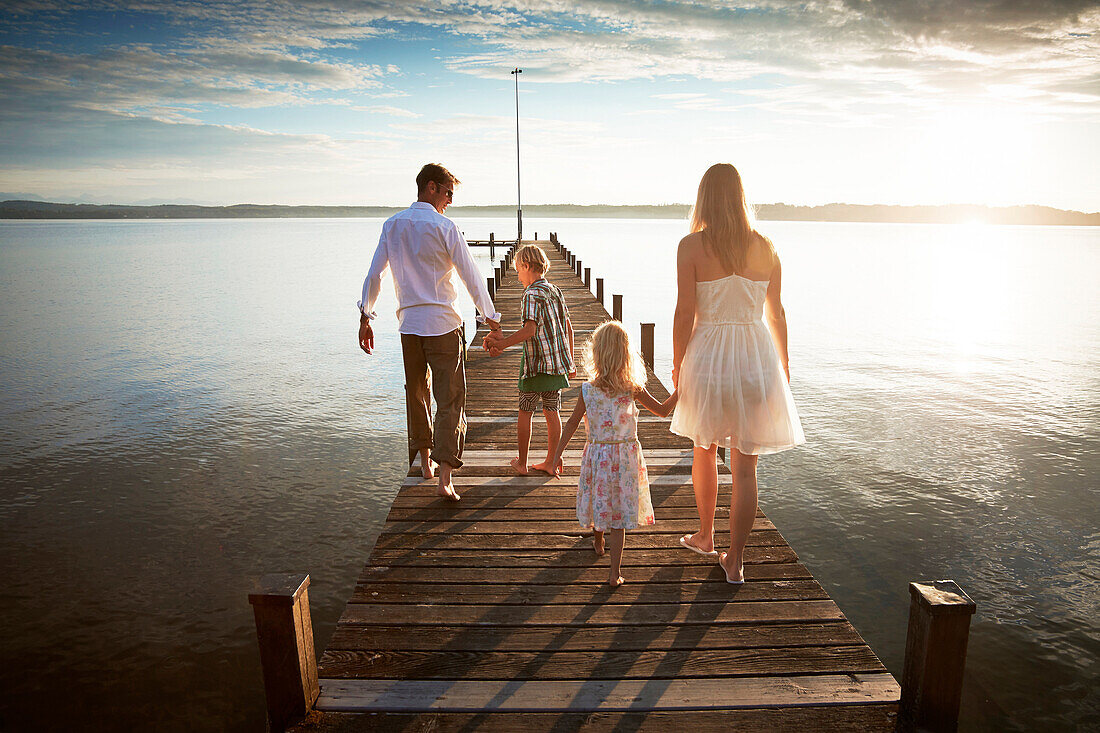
[{"x": 519, "y": 205}]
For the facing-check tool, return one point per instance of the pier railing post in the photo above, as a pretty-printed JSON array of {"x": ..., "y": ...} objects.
[
  {"x": 935, "y": 655},
  {"x": 588, "y": 277},
  {"x": 577, "y": 268},
  {"x": 285, "y": 633},
  {"x": 617, "y": 307},
  {"x": 647, "y": 344},
  {"x": 492, "y": 246},
  {"x": 599, "y": 290},
  {"x": 491, "y": 284}
]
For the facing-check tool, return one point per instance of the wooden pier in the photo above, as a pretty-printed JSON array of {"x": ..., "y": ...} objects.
[{"x": 494, "y": 613}]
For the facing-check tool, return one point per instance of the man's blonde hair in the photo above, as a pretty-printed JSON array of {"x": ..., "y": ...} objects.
[
  {"x": 611, "y": 362},
  {"x": 532, "y": 256}
]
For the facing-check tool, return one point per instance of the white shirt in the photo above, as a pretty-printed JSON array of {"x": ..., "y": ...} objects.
[{"x": 423, "y": 248}]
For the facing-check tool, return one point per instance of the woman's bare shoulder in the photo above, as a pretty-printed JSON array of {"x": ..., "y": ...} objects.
[{"x": 692, "y": 244}]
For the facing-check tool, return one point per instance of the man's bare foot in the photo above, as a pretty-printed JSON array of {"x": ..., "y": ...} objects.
[
  {"x": 616, "y": 581},
  {"x": 597, "y": 544},
  {"x": 447, "y": 491},
  {"x": 521, "y": 468},
  {"x": 427, "y": 469}
]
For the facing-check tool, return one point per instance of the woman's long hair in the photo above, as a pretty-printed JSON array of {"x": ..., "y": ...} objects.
[
  {"x": 724, "y": 217},
  {"x": 611, "y": 362}
]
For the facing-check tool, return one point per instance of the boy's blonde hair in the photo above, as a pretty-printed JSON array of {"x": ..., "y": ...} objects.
[
  {"x": 611, "y": 362},
  {"x": 532, "y": 256}
]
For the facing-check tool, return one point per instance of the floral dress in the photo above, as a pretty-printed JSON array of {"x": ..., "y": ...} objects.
[{"x": 613, "y": 491}]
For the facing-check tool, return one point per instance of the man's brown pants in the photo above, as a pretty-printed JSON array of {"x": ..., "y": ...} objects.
[{"x": 443, "y": 355}]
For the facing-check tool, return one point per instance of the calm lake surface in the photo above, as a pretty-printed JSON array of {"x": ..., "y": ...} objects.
[{"x": 184, "y": 407}]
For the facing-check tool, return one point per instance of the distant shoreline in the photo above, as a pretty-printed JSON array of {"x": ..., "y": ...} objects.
[{"x": 951, "y": 214}]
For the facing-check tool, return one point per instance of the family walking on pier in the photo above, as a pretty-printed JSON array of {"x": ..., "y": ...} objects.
[{"x": 730, "y": 365}]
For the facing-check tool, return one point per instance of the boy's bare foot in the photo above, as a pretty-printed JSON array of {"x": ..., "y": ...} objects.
[
  {"x": 616, "y": 581},
  {"x": 543, "y": 466},
  {"x": 521, "y": 468},
  {"x": 597, "y": 544}
]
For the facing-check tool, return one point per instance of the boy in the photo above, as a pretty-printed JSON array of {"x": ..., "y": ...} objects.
[{"x": 547, "y": 338}]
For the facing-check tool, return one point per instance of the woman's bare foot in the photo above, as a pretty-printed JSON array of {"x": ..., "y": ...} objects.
[
  {"x": 521, "y": 468},
  {"x": 704, "y": 546},
  {"x": 597, "y": 544},
  {"x": 733, "y": 578},
  {"x": 616, "y": 581}
]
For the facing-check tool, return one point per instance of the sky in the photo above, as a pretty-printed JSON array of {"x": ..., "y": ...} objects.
[{"x": 302, "y": 102}]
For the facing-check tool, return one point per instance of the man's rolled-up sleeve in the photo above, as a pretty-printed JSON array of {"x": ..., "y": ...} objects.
[{"x": 372, "y": 285}]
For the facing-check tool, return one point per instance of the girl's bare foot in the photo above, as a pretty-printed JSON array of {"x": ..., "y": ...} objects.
[
  {"x": 616, "y": 581},
  {"x": 597, "y": 544},
  {"x": 521, "y": 468}
]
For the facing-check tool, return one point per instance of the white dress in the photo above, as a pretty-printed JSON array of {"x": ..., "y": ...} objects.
[{"x": 733, "y": 391}]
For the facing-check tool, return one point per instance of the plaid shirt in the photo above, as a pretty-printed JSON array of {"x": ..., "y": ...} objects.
[{"x": 547, "y": 352}]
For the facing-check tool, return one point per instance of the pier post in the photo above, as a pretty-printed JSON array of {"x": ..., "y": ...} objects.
[
  {"x": 935, "y": 655},
  {"x": 536, "y": 236},
  {"x": 647, "y": 344},
  {"x": 577, "y": 268},
  {"x": 492, "y": 246},
  {"x": 599, "y": 290},
  {"x": 588, "y": 277},
  {"x": 285, "y": 633},
  {"x": 617, "y": 307},
  {"x": 491, "y": 284}
]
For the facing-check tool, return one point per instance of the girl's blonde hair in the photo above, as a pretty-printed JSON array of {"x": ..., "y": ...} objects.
[
  {"x": 724, "y": 217},
  {"x": 610, "y": 361},
  {"x": 532, "y": 256}
]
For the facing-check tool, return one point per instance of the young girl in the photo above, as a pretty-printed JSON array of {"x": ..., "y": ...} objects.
[{"x": 613, "y": 490}]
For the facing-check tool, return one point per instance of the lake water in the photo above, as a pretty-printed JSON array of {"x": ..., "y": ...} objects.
[{"x": 184, "y": 407}]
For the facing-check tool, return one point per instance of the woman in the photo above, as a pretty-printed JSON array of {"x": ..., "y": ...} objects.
[{"x": 730, "y": 368}]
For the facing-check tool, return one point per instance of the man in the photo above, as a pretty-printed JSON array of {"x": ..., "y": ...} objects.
[{"x": 422, "y": 248}]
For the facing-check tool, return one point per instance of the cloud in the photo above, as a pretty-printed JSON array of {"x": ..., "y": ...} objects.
[{"x": 384, "y": 109}]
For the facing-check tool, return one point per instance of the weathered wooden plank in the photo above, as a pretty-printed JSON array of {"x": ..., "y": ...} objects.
[
  {"x": 605, "y": 695},
  {"x": 835, "y": 718},
  {"x": 456, "y": 527},
  {"x": 549, "y": 595},
  {"x": 602, "y": 610},
  {"x": 593, "y": 574},
  {"x": 478, "y": 558},
  {"x": 577, "y": 541},
  {"x": 564, "y": 511},
  {"x": 667, "y": 481},
  {"x": 603, "y": 665},
  {"x": 623, "y": 637}
]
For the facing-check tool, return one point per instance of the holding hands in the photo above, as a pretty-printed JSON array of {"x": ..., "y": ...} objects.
[{"x": 492, "y": 342}]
